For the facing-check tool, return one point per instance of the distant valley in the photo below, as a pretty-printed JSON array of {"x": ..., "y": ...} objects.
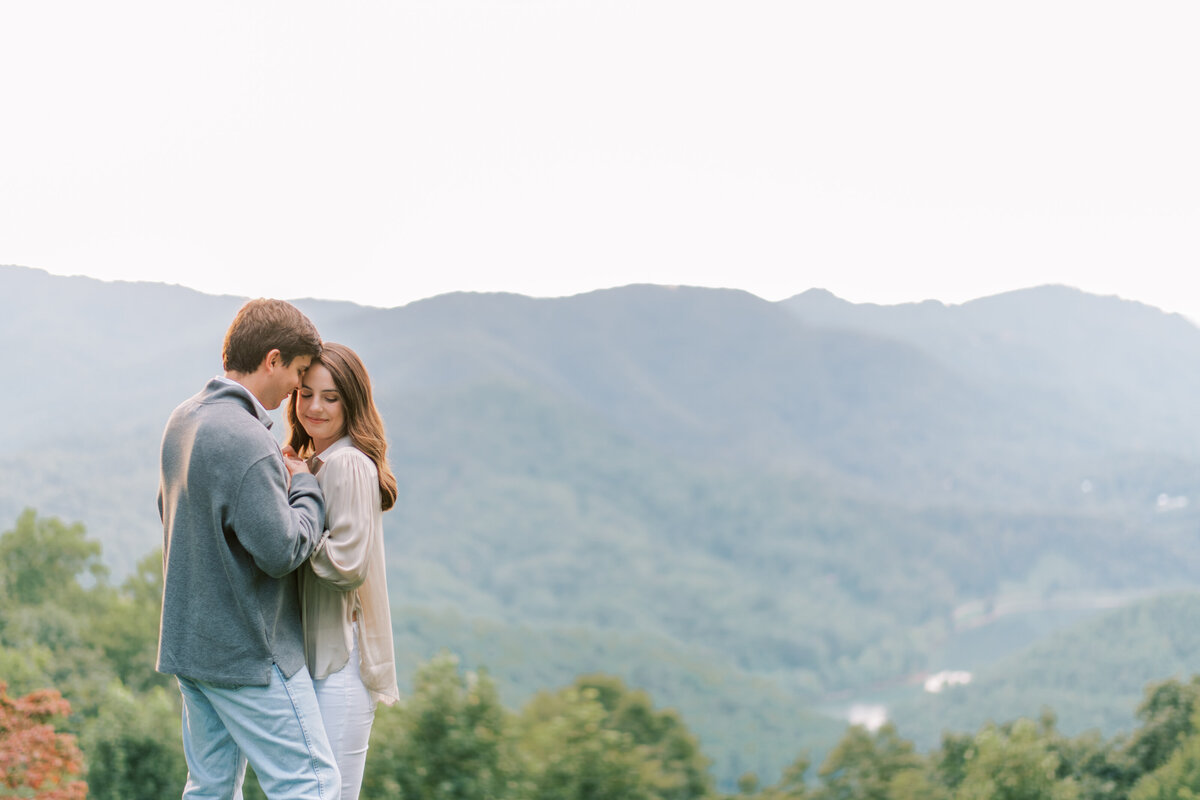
[{"x": 763, "y": 513}]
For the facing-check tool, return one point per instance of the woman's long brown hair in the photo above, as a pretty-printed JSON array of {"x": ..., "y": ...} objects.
[{"x": 363, "y": 424}]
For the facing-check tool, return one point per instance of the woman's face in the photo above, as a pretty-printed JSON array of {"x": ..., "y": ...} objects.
[{"x": 319, "y": 407}]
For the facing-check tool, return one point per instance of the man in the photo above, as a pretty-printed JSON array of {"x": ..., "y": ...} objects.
[{"x": 238, "y": 518}]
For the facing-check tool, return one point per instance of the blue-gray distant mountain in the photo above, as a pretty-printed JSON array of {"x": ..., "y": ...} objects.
[
  {"x": 1115, "y": 373},
  {"x": 760, "y": 511}
]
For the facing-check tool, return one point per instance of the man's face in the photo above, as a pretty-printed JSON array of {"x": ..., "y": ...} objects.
[{"x": 285, "y": 378}]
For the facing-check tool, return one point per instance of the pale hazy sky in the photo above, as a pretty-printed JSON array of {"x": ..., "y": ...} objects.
[{"x": 385, "y": 151}]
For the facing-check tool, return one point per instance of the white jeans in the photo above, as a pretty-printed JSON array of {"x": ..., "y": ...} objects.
[{"x": 348, "y": 712}]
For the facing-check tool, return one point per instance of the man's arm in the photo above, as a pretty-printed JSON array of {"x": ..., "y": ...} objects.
[{"x": 279, "y": 525}]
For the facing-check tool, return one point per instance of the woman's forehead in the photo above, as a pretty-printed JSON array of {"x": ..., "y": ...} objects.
[{"x": 318, "y": 379}]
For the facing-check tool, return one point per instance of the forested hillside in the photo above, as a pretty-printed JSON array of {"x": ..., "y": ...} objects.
[
  {"x": 83, "y": 714},
  {"x": 763, "y": 513}
]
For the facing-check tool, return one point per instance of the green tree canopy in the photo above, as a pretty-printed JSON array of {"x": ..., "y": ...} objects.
[
  {"x": 1014, "y": 764},
  {"x": 448, "y": 740},
  {"x": 43, "y": 558},
  {"x": 864, "y": 765}
]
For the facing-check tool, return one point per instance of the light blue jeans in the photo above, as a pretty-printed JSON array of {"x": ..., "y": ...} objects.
[{"x": 277, "y": 728}]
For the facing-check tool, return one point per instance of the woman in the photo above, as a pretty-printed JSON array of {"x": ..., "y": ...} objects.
[{"x": 343, "y": 589}]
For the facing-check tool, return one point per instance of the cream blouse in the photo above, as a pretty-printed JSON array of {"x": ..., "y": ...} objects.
[{"x": 345, "y": 579}]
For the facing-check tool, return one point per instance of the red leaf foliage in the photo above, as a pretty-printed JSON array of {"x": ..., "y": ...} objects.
[{"x": 33, "y": 755}]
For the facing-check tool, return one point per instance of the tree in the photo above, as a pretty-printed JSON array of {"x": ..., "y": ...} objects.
[
  {"x": 1178, "y": 778},
  {"x": 1168, "y": 716},
  {"x": 792, "y": 784},
  {"x": 48, "y": 618},
  {"x": 747, "y": 784},
  {"x": 674, "y": 768},
  {"x": 948, "y": 764},
  {"x": 1015, "y": 764},
  {"x": 133, "y": 747},
  {"x": 127, "y": 629},
  {"x": 42, "y": 559},
  {"x": 571, "y": 754},
  {"x": 864, "y": 765},
  {"x": 1100, "y": 767},
  {"x": 620, "y": 743},
  {"x": 35, "y": 759},
  {"x": 449, "y": 741}
]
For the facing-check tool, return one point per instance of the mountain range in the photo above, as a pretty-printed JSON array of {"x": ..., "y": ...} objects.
[{"x": 763, "y": 512}]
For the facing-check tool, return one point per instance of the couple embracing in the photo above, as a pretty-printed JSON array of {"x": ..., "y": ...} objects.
[{"x": 275, "y": 616}]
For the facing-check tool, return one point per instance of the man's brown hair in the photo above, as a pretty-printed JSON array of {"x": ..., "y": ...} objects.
[{"x": 264, "y": 325}]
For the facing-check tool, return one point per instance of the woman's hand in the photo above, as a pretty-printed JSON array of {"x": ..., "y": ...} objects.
[{"x": 293, "y": 462}]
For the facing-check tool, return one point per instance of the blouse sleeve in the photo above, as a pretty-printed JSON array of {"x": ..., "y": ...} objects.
[{"x": 352, "y": 502}]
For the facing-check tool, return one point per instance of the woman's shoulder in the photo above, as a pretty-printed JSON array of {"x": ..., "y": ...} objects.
[{"x": 350, "y": 458}]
